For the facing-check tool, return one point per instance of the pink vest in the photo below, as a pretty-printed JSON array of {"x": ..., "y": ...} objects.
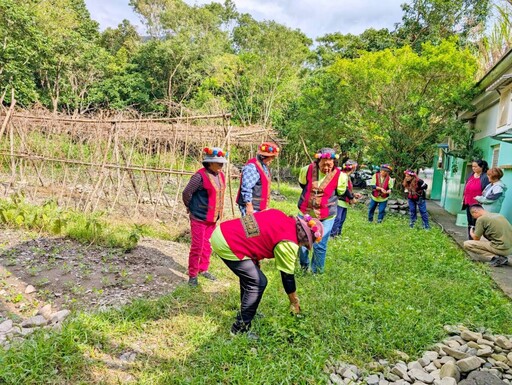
[
  {"x": 321, "y": 198},
  {"x": 256, "y": 235}
]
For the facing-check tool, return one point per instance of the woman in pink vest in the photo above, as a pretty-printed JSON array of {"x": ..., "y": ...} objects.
[
  {"x": 321, "y": 184},
  {"x": 204, "y": 199},
  {"x": 254, "y": 192},
  {"x": 241, "y": 243},
  {"x": 475, "y": 185}
]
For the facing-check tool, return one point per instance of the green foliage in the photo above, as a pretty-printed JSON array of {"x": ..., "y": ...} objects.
[
  {"x": 376, "y": 296},
  {"x": 50, "y": 218},
  {"x": 390, "y": 106},
  {"x": 436, "y": 20}
]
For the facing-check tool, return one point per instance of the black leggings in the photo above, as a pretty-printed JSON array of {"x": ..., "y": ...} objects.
[
  {"x": 471, "y": 221},
  {"x": 252, "y": 285}
]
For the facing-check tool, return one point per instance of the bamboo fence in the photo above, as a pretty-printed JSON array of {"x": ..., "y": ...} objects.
[{"x": 130, "y": 168}]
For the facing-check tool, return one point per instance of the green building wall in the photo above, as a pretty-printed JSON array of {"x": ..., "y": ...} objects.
[{"x": 448, "y": 182}]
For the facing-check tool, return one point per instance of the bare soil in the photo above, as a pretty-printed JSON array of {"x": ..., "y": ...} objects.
[{"x": 69, "y": 274}]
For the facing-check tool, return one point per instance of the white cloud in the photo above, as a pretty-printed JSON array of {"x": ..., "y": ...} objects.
[{"x": 314, "y": 17}]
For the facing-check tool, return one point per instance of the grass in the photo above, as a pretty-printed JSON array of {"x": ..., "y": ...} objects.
[{"x": 386, "y": 287}]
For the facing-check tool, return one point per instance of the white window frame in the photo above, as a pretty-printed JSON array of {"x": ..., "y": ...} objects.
[
  {"x": 495, "y": 155},
  {"x": 505, "y": 110}
]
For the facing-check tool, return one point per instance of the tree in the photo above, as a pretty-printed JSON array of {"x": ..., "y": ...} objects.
[
  {"x": 435, "y": 20},
  {"x": 263, "y": 73},
  {"x": 185, "y": 42},
  {"x": 20, "y": 44},
  {"x": 124, "y": 36},
  {"x": 391, "y": 106}
]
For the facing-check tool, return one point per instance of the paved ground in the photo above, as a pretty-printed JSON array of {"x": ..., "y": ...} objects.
[{"x": 501, "y": 275}]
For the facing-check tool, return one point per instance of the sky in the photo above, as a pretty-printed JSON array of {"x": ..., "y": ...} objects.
[{"x": 313, "y": 17}]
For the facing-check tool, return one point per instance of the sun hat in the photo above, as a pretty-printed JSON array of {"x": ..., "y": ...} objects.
[
  {"x": 386, "y": 167},
  {"x": 309, "y": 229},
  {"x": 268, "y": 149},
  {"x": 350, "y": 165},
  {"x": 214, "y": 155},
  {"x": 326, "y": 153}
]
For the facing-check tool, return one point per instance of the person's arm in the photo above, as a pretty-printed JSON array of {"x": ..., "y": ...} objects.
[
  {"x": 391, "y": 184},
  {"x": 195, "y": 183},
  {"x": 476, "y": 232},
  {"x": 303, "y": 176},
  {"x": 286, "y": 254},
  {"x": 250, "y": 177},
  {"x": 342, "y": 184}
]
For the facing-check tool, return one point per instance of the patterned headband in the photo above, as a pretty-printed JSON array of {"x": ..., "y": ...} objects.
[{"x": 214, "y": 152}]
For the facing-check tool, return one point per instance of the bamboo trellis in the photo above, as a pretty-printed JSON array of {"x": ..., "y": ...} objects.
[{"x": 130, "y": 168}]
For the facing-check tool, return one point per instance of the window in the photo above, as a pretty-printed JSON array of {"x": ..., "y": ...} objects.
[
  {"x": 504, "y": 112},
  {"x": 495, "y": 155}
]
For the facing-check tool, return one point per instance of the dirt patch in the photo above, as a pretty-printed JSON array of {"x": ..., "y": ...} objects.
[{"x": 68, "y": 274}]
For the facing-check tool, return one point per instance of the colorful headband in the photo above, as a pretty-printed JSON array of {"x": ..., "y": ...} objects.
[
  {"x": 270, "y": 149},
  {"x": 211, "y": 151},
  {"x": 385, "y": 165},
  {"x": 314, "y": 228},
  {"x": 409, "y": 172},
  {"x": 326, "y": 155}
]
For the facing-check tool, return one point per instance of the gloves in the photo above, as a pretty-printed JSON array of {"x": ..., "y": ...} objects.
[{"x": 294, "y": 303}]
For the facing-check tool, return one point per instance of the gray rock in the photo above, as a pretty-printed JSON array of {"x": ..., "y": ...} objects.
[
  {"x": 45, "y": 311},
  {"x": 485, "y": 351},
  {"x": 451, "y": 329},
  {"x": 421, "y": 375},
  {"x": 430, "y": 367},
  {"x": 431, "y": 355},
  {"x": 399, "y": 370},
  {"x": 483, "y": 341},
  {"x": 468, "y": 364},
  {"x": 372, "y": 379},
  {"x": 414, "y": 365},
  {"x": 448, "y": 381},
  {"x": 31, "y": 322},
  {"x": 5, "y": 326},
  {"x": 350, "y": 375},
  {"x": 470, "y": 336},
  {"x": 457, "y": 354},
  {"x": 59, "y": 316},
  {"x": 336, "y": 379},
  {"x": 450, "y": 370},
  {"x": 383, "y": 382},
  {"x": 503, "y": 342},
  {"x": 30, "y": 289},
  {"x": 482, "y": 378}
]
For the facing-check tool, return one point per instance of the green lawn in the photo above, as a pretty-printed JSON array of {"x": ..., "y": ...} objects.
[{"x": 386, "y": 287}]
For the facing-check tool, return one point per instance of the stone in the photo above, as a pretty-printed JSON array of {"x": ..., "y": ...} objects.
[
  {"x": 421, "y": 375},
  {"x": 350, "y": 375},
  {"x": 484, "y": 341},
  {"x": 30, "y": 289},
  {"x": 455, "y": 353},
  {"x": 336, "y": 379},
  {"x": 448, "y": 381},
  {"x": 45, "y": 311},
  {"x": 424, "y": 361},
  {"x": 468, "y": 364},
  {"x": 383, "y": 382},
  {"x": 372, "y": 379},
  {"x": 485, "y": 351},
  {"x": 5, "y": 326},
  {"x": 430, "y": 367},
  {"x": 503, "y": 342},
  {"x": 451, "y": 329},
  {"x": 431, "y": 355},
  {"x": 470, "y": 336},
  {"x": 482, "y": 378},
  {"x": 450, "y": 369},
  {"x": 38, "y": 320},
  {"x": 59, "y": 316},
  {"x": 399, "y": 370},
  {"x": 414, "y": 365}
]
